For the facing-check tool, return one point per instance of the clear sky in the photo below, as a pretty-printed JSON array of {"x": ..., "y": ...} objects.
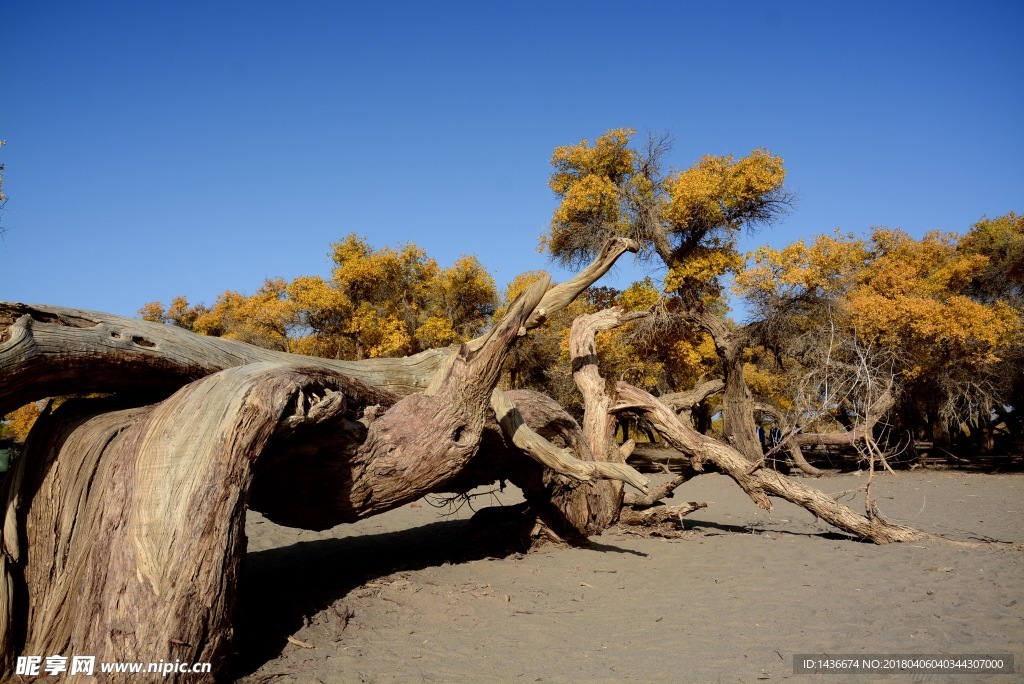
[{"x": 162, "y": 148}]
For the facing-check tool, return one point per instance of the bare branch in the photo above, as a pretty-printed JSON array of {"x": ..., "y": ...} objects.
[
  {"x": 559, "y": 460},
  {"x": 758, "y": 483}
]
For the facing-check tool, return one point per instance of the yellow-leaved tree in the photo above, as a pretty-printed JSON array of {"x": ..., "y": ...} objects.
[
  {"x": 931, "y": 307},
  {"x": 16, "y": 424},
  {"x": 687, "y": 220},
  {"x": 1002, "y": 280},
  {"x": 383, "y": 302}
]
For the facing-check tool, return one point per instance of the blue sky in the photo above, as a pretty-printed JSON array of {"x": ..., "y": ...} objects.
[{"x": 163, "y": 148}]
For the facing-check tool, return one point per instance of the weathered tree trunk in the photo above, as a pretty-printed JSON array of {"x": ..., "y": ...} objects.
[
  {"x": 599, "y": 503},
  {"x": 132, "y": 515},
  {"x": 563, "y": 508},
  {"x": 985, "y": 429},
  {"x": 50, "y": 351},
  {"x": 800, "y": 460},
  {"x": 566, "y": 509},
  {"x": 738, "y": 426},
  {"x": 140, "y": 512},
  {"x": 939, "y": 428}
]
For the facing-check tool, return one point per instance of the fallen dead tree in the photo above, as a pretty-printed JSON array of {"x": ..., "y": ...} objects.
[
  {"x": 702, "y": 451},
  {"x": 124, "y": 519},
  {"x": 123, "y": 526},
  {"x": 758, "y": 482}
]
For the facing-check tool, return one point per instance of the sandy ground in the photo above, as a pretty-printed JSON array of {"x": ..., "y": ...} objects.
[{"x": 731, "y": 601}]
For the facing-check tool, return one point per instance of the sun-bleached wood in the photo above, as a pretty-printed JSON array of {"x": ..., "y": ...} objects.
[
  {"x": 133, "y": 505},
  {"x": 759, "y": 483}
]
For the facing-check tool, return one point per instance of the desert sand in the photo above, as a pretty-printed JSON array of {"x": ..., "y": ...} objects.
[{"x": 429, "y": 597}]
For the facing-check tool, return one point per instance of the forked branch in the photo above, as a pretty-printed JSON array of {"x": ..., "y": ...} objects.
[{"x": 758, "y": 483}]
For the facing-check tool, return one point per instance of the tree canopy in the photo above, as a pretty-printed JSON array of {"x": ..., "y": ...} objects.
[
  {"x": 377, "y": 303},
  {"x": 951, "y": 327},
  {"x": 689, "y": 219}
]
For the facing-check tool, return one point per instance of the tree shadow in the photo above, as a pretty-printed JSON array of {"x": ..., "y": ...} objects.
[
  {"x": 282, "y": 587},
  {"x": 608, "y": 548},
  {"x": 696, "y": 524}
]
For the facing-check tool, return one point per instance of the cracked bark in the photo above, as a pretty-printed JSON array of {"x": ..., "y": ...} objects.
[{"x": 133, "y": 505}]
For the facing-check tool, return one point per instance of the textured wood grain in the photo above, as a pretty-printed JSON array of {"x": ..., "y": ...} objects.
[
  {"x": 52, "y": 350},
  {"x": 132, "y": 507},
  {"x": 758, "y": 483}
]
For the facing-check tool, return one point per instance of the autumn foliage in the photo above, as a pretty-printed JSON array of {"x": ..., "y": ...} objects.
[
  {"x": 942, "y": 313},
  {"x": 385, "y": 302},
  {"x": 953, "y": 351}
]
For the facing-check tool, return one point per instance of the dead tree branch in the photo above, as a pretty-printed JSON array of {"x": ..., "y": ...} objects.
[{"x": 758, "y": 483}]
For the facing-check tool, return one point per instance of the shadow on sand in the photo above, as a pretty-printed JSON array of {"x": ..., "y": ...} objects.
[{"x": 283, "y": 587}]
